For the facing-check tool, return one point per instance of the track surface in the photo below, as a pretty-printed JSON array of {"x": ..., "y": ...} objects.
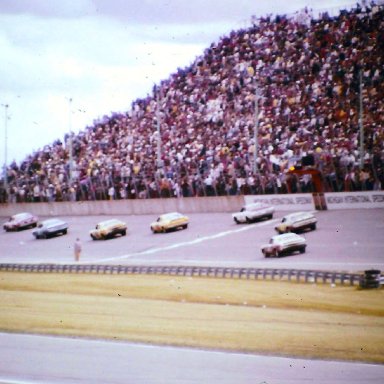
[
  {"x": 345, "y": 240},
  {"x": 349, "y": 240},
  {"x": 65, "y": 360}
]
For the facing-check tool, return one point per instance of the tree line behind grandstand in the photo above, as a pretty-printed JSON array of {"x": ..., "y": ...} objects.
[{"x": 308, "y": 72}]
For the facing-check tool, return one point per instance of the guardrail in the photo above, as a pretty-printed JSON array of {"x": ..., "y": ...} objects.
[{"x": 307, "y": 276}]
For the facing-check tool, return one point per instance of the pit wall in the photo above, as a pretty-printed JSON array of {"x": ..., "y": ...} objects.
[{"x": 293, "y": 202}]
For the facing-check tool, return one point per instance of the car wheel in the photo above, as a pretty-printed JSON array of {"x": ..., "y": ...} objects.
[
  {"x": 313, "y": 227},
  {"x": 93, "y": 237},
  {"x": 302, "y": 250},
  {"x": 123, "y": 233},
  {"x": 65, "y": 231},
  {"x": 248, "y": 220},
  {"x": 236, "y": 220},
  {"x": 185, "y": 226}
]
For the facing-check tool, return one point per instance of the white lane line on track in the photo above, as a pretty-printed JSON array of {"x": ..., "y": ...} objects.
[
  {"x": 152, "y": 251},
  {"x": 187, "y": 243}
]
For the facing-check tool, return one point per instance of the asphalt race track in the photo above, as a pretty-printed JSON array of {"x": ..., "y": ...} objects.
[
  {"x": 349, "y": 240},
  {"x": 46, "y": 359}
]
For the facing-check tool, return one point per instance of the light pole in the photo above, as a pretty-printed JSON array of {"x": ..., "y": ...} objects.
[
  {"x": 251, "y": 73},
  {"x": 256, "y": 130},
  {"x": 70, "y": 141},
  {"x": 361, "y": 126},
  {"x": 158, "y": 122},
  {"x": 6, "y": 106}
]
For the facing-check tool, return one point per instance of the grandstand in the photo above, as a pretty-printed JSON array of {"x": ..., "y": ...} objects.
[{"x": 318, "y": 83}]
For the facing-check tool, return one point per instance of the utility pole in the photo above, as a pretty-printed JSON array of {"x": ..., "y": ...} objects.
[
  {"x": 158, "y": 121},
  {"x": 251, "y": 73},
  {"x": 256, "y": 130},
  {"x": 361, "y": 126},
  {"x": 70, "y": 141},
  {"x": 6, "y": 106}
]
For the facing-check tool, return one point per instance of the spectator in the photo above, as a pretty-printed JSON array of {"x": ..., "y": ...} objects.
[{"x": 308, "y": 72}]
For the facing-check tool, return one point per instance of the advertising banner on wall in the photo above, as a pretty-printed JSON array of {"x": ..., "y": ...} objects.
[
  {"x": 355, "y": 200},
  {"x": 292, "y": 202}
]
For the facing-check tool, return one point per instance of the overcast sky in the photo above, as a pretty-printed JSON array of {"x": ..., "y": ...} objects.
[{"x": 103, "y": 54}]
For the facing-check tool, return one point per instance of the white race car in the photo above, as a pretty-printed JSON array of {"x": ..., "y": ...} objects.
[
  {"x": 296, "y": 222},
  {"x": 284, "y": 244},
  {"x": 252, "y": 212}
]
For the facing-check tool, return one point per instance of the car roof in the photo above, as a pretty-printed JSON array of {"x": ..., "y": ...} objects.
[
  {"x": 285, "y": 236},
  {"x": 110, "y": 221},
  {"x": 256, "y": 205},
  {"x": 52, "y": 221},
  {"x": 21, "y": 215},
  {"x": 298, "y": 214},
  {"x": 171, "y": 215}
]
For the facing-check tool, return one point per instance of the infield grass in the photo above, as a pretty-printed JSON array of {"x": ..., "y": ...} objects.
[{"x": 266, "y": 317}]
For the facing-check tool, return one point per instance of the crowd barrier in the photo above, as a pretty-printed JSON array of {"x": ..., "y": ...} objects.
[
  {"x": 294, "y": 275},
  {"x": 286, "y": 202}
]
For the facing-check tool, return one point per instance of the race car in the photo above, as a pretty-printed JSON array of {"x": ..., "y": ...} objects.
[
  {"x": 297, "y": 222},
  {"x": 108, "y": 229},
  {"x": 49, "y": 228},
  {"x": 170, "y": 221},
  {"x": 283, "y": 244},
  {"x": 19, "y": 221},
  {"x": 253, "y": 212}
]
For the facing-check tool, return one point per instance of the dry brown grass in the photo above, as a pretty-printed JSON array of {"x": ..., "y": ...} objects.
[{"x": 317, "y": 321}]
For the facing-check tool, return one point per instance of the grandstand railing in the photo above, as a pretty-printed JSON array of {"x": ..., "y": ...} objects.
[{"x": 292, "y": 275}]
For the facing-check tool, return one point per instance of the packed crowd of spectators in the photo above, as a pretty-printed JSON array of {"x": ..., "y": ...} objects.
[{"x": 307, "y": 73}]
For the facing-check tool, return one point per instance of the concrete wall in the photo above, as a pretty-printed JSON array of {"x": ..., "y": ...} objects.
[
  {"x": 355, "y": 200},
  {"x": 128, "y": 207},
  {"x": 294, "y": 202}
]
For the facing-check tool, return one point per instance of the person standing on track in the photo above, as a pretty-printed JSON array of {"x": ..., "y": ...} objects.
[{"x": 77, "y": 249}]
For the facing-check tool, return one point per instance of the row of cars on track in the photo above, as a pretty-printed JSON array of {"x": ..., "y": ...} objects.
[
  {"x": 104, "y": 230},
  {"x": 43, "y": 230},
  {"x": 287, "y": 240}
]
